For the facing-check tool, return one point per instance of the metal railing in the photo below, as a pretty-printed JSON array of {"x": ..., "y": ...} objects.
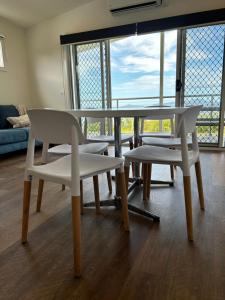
[
  {"x": 117, "y": 100},
  {"x": 208, "y": 120}
]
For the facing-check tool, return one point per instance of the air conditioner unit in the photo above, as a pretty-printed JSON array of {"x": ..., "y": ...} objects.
[{"x": 119, "y": 6}]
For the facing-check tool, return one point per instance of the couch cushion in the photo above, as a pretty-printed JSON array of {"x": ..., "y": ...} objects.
[
  {"x": 13, "y": 135},
  {"x": 12, "y": 147},
  {"x": 7, "y": 111}
]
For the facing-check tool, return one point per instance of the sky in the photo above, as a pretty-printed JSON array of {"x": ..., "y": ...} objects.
[{"x": 135, "y": 65}]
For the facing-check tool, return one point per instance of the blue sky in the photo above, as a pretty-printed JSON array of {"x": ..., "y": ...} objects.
[{"x": 135, "y": 65}]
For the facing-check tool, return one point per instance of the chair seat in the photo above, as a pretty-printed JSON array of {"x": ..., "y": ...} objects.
[
  {"x": 59, "y": 171},
  {"x": 158, "y": 155},
  {"x": 156, "y": 134},
  {"x": 91, "y": 148},
  {"x": 109, "y": 138},
  {"x": 164, "y": 142}
]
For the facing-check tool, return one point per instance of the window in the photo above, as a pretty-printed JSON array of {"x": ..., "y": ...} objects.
[
  {"x": 141, "y": 70},
  {"x": 2, "y": 53}
]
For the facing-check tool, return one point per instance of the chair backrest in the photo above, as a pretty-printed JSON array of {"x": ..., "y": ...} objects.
[
  {"x": 159, "y": 118},
  {"x": 189, "y": 117},
  {"x": 52, "y": 126},
  {"x": 57, "y": 127},
  {"x": 91, "y": 120}
]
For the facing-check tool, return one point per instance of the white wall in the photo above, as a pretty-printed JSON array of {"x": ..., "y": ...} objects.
[
  {"x": 45, "y": 51},
  {"x": 14, "y": 82}
]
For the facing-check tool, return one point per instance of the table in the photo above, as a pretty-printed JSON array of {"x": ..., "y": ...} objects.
[{"x": 117, "y": 114}]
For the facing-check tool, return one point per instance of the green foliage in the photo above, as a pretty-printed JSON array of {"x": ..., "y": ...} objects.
[{"x": 127, "y": 125}]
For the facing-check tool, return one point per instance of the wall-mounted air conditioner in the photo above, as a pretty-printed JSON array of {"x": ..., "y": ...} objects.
[{"x": 119, "y": 6}]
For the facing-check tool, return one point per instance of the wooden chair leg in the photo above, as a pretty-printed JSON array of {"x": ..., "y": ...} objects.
[
  {"x": 149, "y": 180},
  {"x": 63, "y": 187},
  {"x": 76, "y": 235},
  {"x": 126, "y": 172},
  {"x": 123, "y": 194},
  {"x": 145, "y": 178},
  {"x": 199, "y": 183},
  {"x": 40, "y": 193},
  {"x": 188, "y": 206},
  {"x": 26, "y": 209},
  {"x": 81, "y": 198},
  {"x": 96, "y": 191}
]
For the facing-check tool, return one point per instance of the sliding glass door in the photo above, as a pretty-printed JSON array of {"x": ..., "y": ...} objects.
[
  {"x": 91, "y": 80},
  {"x": 91, "y": 75},
  {"x": 176, "y": 67},
  {"x": 203, "y": 76}
]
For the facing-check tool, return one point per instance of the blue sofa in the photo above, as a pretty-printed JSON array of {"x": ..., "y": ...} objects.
[{"x": 11, "y": 139}]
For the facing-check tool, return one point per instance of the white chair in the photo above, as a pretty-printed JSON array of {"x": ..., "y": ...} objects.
[
  {"x": 60, "y": 127},
  {"x": 164, "y": 140},
  {"x": 158, "y": 137},
  {"x": 102, "y": 137},
  {"x": 183, "y": 158},
  {"x": 143, "y": 134},
  {"x": 65, "y": 149}
]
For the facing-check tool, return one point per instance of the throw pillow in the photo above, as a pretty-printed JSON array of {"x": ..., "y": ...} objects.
[
  {"x": 21, "y": 121},
  {"x": 5, "y": 112},
  {"x": 22, "y": 109}
]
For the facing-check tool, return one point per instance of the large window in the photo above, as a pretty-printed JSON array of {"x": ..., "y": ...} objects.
[{"x": 183, "y": 67}]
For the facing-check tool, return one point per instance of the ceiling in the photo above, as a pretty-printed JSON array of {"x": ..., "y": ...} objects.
[{"x": 29, "y": 12}]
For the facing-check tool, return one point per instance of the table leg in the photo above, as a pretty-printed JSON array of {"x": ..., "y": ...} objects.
[
  {"x": 117, "y": 136},
  {"x": 136, "y": 142},
  {"x": 118, "y": 153}
]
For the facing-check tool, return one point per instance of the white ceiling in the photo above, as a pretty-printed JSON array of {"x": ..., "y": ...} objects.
[{"x": 29, "y": 12}]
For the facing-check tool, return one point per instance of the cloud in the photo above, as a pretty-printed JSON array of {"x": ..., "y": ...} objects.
[
  {"x": 143, "y": 86},
  {"x": 141, "y": 54},
  {"x": 141, "y": 44},
  {"x": 134, "y": 64}
]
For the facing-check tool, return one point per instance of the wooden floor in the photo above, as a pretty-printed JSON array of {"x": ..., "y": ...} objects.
[{"x": 153, "y": 261}]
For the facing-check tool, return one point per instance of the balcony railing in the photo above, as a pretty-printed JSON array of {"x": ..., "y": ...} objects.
[{"x": 207, "y": 123}]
